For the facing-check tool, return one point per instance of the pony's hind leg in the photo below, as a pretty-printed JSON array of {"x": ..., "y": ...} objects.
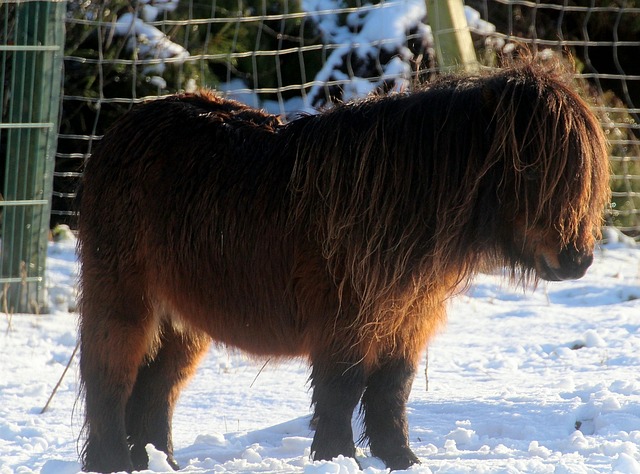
[
  {"x": 337, "y": 388},
  {"x": 116, "y": 329},
  {"x": 160, "y": 379},
  {"x": 384, "y": 406}
]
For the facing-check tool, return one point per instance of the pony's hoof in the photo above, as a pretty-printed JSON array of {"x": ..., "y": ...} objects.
[
  {"x": 403, "y": 459},
  {"x": 172, "y": 462}
]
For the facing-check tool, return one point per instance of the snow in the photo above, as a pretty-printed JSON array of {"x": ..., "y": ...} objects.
[
  {"x": 367, "y": 31},
  {"x": 477, "y": 24},
  {"x": 521, "y": 381},
  {"x": 151, "y": 12},
  {"x": 149, "y": 41}
]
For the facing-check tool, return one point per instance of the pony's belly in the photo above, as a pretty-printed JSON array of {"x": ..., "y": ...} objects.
[
  {"x": 266, "y": 332},
  {"x": 266, "y": 346}
]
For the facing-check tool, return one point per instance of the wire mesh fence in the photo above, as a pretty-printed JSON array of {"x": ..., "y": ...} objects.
[{"x": 291, "y": 56}]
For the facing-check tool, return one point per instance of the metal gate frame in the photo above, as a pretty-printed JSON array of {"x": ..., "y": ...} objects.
[{"x": 32, "y": 47}]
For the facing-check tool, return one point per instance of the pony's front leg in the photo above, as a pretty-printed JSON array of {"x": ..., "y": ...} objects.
[
  {"x": 337, "y": 388},
  {"x": 384, "y": 406},
  {"x": 155, "y": 393}
]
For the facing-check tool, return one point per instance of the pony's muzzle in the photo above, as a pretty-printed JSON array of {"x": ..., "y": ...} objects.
[{"x": 569, "y": 264}]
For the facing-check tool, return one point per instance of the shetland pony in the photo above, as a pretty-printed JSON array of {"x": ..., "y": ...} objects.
[{"x": 337, "y": 237}]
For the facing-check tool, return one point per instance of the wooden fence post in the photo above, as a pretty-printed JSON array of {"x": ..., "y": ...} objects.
[{"x": 454, "y": 47}]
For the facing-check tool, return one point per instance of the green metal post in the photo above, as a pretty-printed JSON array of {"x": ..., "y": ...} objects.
[
  {"x": 454, "y": 47},
  {"x": 35, "y": 49}
]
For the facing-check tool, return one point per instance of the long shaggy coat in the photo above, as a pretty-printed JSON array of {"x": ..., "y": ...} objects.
[{"x": 337, "y": 237}]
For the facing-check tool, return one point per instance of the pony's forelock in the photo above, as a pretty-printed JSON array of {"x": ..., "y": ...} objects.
[{"x": 557, "y": 163}]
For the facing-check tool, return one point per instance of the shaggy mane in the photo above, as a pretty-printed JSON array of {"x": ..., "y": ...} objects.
[{"x": 392, "y": 187}]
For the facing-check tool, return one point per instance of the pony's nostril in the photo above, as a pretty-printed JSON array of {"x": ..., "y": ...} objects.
[{"x": 574, "y": 263}]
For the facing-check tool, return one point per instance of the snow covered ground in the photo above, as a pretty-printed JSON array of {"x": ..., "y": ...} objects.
[{"x": 543, "y": 381}]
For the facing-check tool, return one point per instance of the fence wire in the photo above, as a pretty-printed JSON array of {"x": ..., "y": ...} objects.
[{"x": 291, "y": 56}]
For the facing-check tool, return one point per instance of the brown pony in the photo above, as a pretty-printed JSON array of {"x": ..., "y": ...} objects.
[{"x": 337, "y": 237}]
